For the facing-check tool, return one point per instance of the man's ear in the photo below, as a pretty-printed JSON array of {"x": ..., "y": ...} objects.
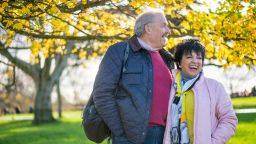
[{"x": 148, "y": 28}]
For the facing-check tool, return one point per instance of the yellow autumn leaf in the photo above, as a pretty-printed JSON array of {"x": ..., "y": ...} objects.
[
  {"x": 82, "y": 54},
  {"x": 18, "y": 26},
  {"x": 75, "y": 50},
  {"x": 8, "y": 24},
  {"x": 8, "y": 42},
  {"x": 5, "y": 4},
  {"x": 70, "y": 4},
  {"x": 36, "y": 60},
  {"x": 54, "y": 10},
  {"x": 94, "y": 54},
  {"x": 176, "y": 32},
  {"x": 3, "y": 37},
  {"x": 1, "y": 10},
  {"x": 35, "y": 48},
  {"x": 186, "y": 25},
  {"x": 84, "y": 2},
  {"x": 25, "y": 10},
  {"x": 59, "y": 50},
  {"x": 29, "y": 5}
]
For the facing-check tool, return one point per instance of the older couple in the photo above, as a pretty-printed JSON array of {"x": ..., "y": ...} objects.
[{"x": 150, "y": 102}]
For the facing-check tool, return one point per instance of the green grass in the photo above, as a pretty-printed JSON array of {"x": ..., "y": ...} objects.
[
  {"x": 68, "y": 130},
  {"x": 65, "y": 131},
  {"x": 246, "y": 131},
  {"x": 247, "y": 102}
]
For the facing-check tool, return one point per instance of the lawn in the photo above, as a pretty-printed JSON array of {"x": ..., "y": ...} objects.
[
  {"x": 68, "y": 130},
  {"x": 248, "y": 102},
  {"x": 65, "y": 131},
  {"x": 246, "y": 133}
]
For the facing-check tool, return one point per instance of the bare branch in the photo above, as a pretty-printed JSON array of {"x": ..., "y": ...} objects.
[
  {"x": 213, "y": 64},
  {"x": 6, "y": 63},
  {"x": 26, "y": 67}
]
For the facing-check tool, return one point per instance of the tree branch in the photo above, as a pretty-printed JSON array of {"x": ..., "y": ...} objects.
[
  {"x": 64, "y": 8},
  {"x": 62, "y": 63},
  {"x": 68, "y": 23},
  {"x": 213, "y": 64},
  {"x": 26, "y": 67},
  {"x": 78, "y": 38}
]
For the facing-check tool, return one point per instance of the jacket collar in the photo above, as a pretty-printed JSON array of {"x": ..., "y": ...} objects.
[
  {"x": 134, "y": 43},
  {"x": 167, "y": 56}
]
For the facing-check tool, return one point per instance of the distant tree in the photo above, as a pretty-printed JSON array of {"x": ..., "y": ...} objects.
[{"x": 253, "y": 93}]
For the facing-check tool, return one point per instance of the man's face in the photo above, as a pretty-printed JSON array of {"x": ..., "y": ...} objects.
[{"x": 158, "y": 31}]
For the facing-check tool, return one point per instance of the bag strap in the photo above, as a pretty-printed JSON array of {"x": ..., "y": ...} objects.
[
  {"x": 123, "y": 67},
  {"x": 126, "y": 54}
]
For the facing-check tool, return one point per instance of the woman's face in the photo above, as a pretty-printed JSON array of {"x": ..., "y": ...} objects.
[{"x": 191, "y": 64}]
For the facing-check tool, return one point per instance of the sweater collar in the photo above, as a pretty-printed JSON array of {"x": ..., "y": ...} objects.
[{"x": 147, "y": 46}]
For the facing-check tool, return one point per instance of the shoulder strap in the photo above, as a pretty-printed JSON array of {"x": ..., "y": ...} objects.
[
  {"x": 126, "y": 54},
  {"x": 123, "y": 68}
]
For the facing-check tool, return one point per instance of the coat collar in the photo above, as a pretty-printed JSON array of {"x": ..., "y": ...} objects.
[
  {"x": 134, "y": 43},
  {"x": 167, "y": 56}
]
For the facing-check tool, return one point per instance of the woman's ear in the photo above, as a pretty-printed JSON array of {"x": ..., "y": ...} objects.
[{"x": 179, "y": 65}]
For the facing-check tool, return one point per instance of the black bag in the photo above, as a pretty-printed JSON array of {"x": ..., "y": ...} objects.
[{"x": 94, "y": 127}]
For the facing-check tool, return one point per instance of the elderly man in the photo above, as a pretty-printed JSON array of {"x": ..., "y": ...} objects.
[{"x": 133, "y": 102}]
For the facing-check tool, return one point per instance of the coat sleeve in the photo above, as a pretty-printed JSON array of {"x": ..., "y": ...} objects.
[
  {"x": 104, "y": 87},
  {"x": 227, "y": 120}
]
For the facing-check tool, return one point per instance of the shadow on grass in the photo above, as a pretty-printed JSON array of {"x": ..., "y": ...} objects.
[{"x": 246, "y": 117}]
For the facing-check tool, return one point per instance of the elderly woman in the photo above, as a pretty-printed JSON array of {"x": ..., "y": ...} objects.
[{"x": 200, "y": 111}]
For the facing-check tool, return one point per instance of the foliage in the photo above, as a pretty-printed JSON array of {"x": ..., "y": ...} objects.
[
  {"x": 47, "y": 25},
  {"x": 228, "y": 33}
]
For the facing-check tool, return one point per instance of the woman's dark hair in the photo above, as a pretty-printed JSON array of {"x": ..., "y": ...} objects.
[{"x": 186, "y": 47}]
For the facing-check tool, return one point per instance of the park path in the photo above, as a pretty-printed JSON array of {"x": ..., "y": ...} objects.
[{"x": 249, "y": 110}]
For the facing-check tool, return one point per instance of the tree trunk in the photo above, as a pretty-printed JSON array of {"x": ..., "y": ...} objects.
[
  {"x": 44, "y": 80},
  {"x": 43, "y": 106},
  {"x": 59, "y": 99}
]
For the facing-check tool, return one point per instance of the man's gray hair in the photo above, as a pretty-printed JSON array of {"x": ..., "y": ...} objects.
[{"x": 145, "y": 18}]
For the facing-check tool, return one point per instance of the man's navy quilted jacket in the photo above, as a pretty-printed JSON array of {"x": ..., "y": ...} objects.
[{"x": 125, "y": 105}]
